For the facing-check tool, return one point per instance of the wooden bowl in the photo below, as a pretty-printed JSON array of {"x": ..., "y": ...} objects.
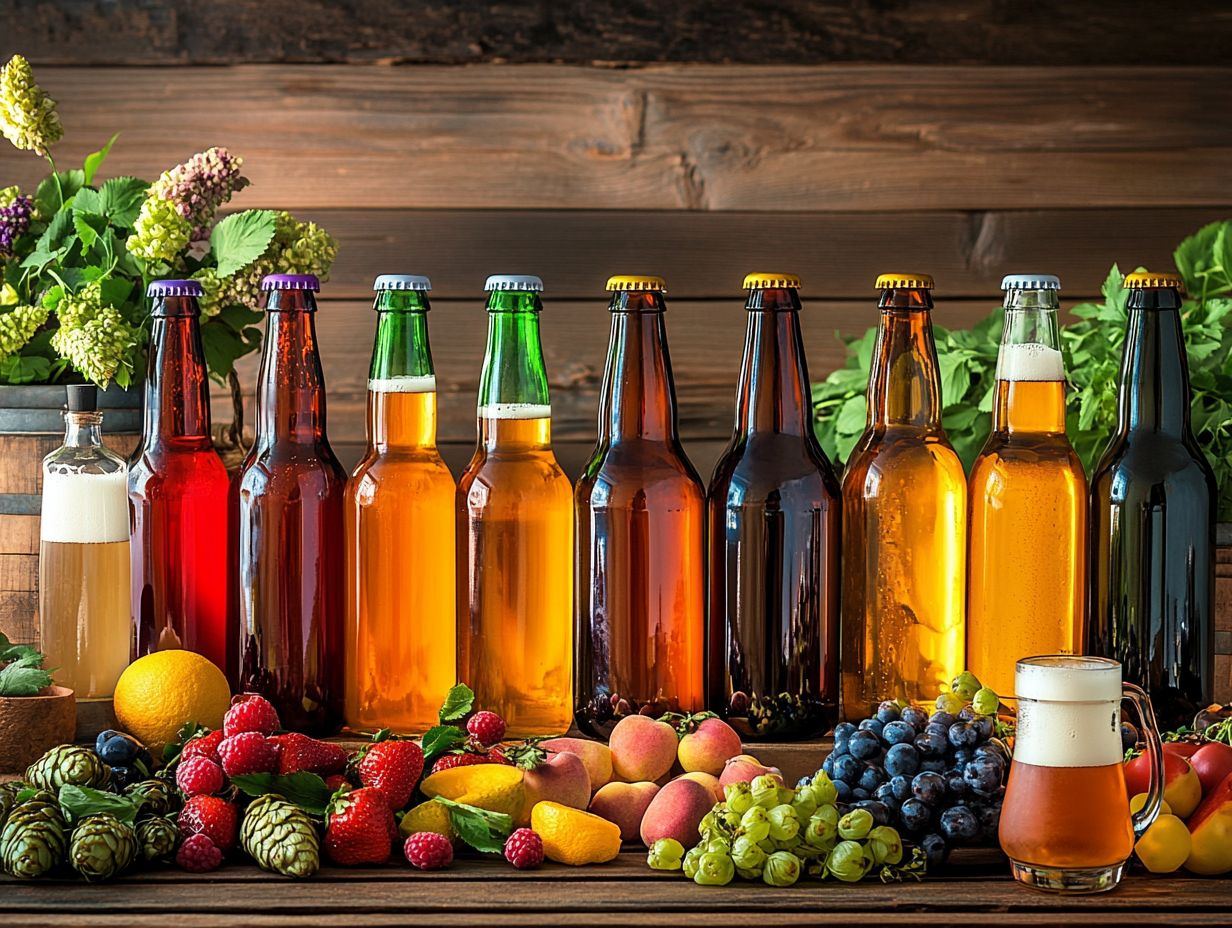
[{"x": 29, "y": 725}]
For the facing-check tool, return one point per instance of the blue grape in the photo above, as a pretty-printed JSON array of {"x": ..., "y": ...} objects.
[
  {"x": 928, "y": 787},
  {"x": 943, "y": 718},
  {"x": 959, "y": 824},
  {"x": 901, "y": 787},
  {"x": 860, "y": 793},
  {"x": 902, "y": 760},
  {"x": 847, "y": 768},
  {"x": 966, "y": 714},
  {"x": 864, "y": 744},
  {"x": 888, "y": 712},
  {"x": 914, "y": 716},
  {"x": 827, "y": 765},
  {"x": 962, "y": 735},
  {"x": 983, "y": 728},
  {"x": 955, "y": 785},
  {"x": 897, "y": 732},
  {"x": 935, "y": 849},
  {"x": 989, "y": 817},
  {"x": 118, "y": 750},
  {"x": 873, "y": 725},
  {"x": 806, "y": 780},
  {"x": 872, "y": 777},
  {"x": 1129, "y": 736},
  {"x": 879, "y": 810},
  {"x": 885, "y": 795},
  {"x": 962, "y": 756},
  {"x": 915, "y": 815},
  {"x": 843, "y": 790},
  {"x": 992, "y": 749},
  {"x": 842, "y": 732},
  {"x": 983, "y": 774},
  {"x": 931, "y": 744},
  {"x": 933, "y": 764}
]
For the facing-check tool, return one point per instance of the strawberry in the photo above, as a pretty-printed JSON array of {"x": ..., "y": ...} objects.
[
  {"x": 449, "y": 761},
  {"x": 211, "y": 816},
  {"x": 299, "y": 752},
  {"x": 359, "y": 828},
  {"x": 393, "y": 767}
]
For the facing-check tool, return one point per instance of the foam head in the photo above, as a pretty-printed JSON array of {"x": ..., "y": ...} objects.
[
  {"x": 515, "y": 411},
  {"x": 1069, "y": 711},
  {"x": 424, "y": 383},
  {"x": 84, "y": 508},
  {"x": 1030, "y": 362}
]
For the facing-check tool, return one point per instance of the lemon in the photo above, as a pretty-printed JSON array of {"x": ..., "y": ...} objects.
[
  {"x": 427, "y": 816},
  {"x": 494, "y": 787},
  {"x": 158, "y": 693},
  {"x": 571, "y": 836},
  {"x": 1165, "y": 846},
  {"x": 1136, "y": 804}
]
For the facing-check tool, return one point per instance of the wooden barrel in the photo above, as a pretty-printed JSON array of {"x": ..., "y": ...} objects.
[{"x": 31, "y": 426}]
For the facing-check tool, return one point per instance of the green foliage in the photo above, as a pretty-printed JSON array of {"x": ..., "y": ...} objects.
[
  {"x": 239, "y": 239},
  {"x": 1092, "y": 345},
  {"x": 21, "y": 670}
]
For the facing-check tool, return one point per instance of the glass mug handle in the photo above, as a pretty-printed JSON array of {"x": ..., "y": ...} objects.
[{"x": 1145, "y": 817}]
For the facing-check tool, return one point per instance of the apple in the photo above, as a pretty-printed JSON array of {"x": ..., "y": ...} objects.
[
  {"x": 1185, "y": 749},
  {"x": 1182, "y": 789},
  {"x": 1212, "y": 763},
  {"x": 1210, "y": 830}
]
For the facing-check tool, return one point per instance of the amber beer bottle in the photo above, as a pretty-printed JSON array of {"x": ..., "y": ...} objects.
[
  {"x": 1153, "y": 518},
  {"x": 904, "y": 519},
  {"x": 640, "y": 506},
  {"x": 774, "y": 539},
  {"x": 515, "y": 530},
  {"x": 400, "y": 643},
  {"x": 291, "y": 536},
  {"x": 1028, "y": 501}
]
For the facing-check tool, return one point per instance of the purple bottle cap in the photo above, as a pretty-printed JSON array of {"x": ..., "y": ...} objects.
[
  {"x": 290, "y": 282},
  {"x": 159, "y": 288}
]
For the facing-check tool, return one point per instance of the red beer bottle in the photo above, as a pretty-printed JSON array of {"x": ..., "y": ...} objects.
[
  {"x": 178, "y": 493},
  {"x": 292, "y": 492}
]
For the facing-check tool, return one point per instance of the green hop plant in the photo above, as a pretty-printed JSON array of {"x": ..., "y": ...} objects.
[
  {"x": 849, "y": 862},
  {"x": 985, "y": 701},
  {"x": 966, "y": 685},
  {"x": 804, "y": 803},
  {"x": 755, "y": 824},
  {"x": 784, "y": 823},
  {"x": 821, "y": 830},
  {"x": 739, "y": 797},
  {"x": 885, "y": 845},
  {"x": 689, "y": 865},
  {"x": 665, "y": 854},
  {"x": 765, "y": 790},
  {"x": 160, "y": 233},
  {"x": 28, "y": 116},
  {"x": 950, "y": 702},
  {"x": 94, "y": 337},
  {"x": 747, "y": 855},
  {"x": 714, "y": 868},
  {"x": 855, "y": 824},
  {"x": 9, "y": 195},
  {"x": 17, "y": 327},
  {"x": 782, "y": 868},
  {"x": 825, "y": 793}
]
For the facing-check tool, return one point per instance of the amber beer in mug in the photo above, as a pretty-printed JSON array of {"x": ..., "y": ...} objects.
[{"x": 1065, "y": 821}]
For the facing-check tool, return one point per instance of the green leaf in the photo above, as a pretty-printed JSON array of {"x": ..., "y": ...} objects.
[
  {"x": 955, "y": 378},
  {"x": 852, "y": 416},
  {"x": 20, "y": 369},
  {"x": 240, "y": 239},
  {"x": 47, "y": 196},
  {"x": 306, "y": 790},
  {"x": 95, "y": 159},
  {"x": 88, "y": 200},
  {"x": 120, "y": 200},
  {"x": 78, "y": 802},
  {"x": 458, "y": 703},
  {"x": 20, "y": 652},
  {"x": 483, "y": 830},
  {"x": 21, "y": 678},
  {"x": 439, "y": 740},
  {"x": 224, "y": 344},
  {"x": 88, "y": 226}
]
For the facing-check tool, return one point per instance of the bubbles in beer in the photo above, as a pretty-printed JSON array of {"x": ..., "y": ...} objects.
[
  {"x": 424, "y": 383},
  {"x": 1030, "y": 362},
  {"x": 515, "y": 411},
  {"x": 81, "y": 508}
]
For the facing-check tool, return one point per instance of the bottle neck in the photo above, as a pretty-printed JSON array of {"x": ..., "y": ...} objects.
[
  {"x": 1155, "y": 394},
  {"x": 773, "y": 373},
  {"x": 639, "y": 395},
  {"x": 904, "y": 384},
  {"x": 83, "y": 430},
  {"x": 1030, "y": 370},
  {"x": 177, "y": 390},
  {"x": 514, "y": 405},
  {"x": 401, "y": 379},
  {"x": 291, "y": 388}
]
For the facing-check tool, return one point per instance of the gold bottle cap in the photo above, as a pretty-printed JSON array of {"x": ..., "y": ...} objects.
[
  {"x": 636, "y": 282},
  {"x": 1148, "y": 280},
  {"x": 763, "y": 281},
  {"x": 904, "y": 282}
]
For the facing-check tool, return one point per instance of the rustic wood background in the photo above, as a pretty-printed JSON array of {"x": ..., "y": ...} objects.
[{"x": 697, "y": 140}]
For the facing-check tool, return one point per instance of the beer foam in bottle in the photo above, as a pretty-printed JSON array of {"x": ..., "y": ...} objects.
[
  {"x": 1069, "y": 712},
  {"x": 422, "y": 383},
  {"x": 515, "y": 411},
  {"x": 84, "y": 508},
  {"x": 1030, "y": 362}
]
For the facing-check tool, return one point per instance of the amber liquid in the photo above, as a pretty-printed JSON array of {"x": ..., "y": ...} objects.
[
  {"x": 400, "y": 654},
  {"x": 515, "y": 574},
  {"x": 1028, "y": 536}
]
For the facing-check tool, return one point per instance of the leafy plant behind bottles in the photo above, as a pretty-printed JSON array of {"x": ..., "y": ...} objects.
[{"x": 1092, "y": 345}]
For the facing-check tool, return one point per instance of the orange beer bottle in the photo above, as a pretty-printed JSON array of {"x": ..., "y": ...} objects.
[
  {"x": 400, "y": 644},
  {"x": 515, "y": 530},
  {"x": 904, "y": 519}
]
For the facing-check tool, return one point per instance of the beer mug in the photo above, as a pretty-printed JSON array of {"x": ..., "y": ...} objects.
[{"x": 1065, "y": 821}]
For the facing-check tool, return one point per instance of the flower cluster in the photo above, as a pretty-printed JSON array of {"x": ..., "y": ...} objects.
[
  {"x": 93, "y": 336},
  {"x": 28, "y": 116},
  {"x": 200, "y": 185},
  {"x": 18, "y": 325},
  {"x": 160, "y": 233},
  {"x": 15, "y": 212}
]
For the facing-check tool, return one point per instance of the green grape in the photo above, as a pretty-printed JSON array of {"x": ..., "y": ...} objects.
[
  {"x": 714, "y": 869},
  {"x": 746, "y": 855},
  {"x": 805, "y": 803},
  {"x": 951, "y": 703},
  {"x": 749, "y": 873},
  {"x": 739, "y": 797},
  {"x": 755, "y": 824},
  {"x": 691, "y": 859},
  {"x": 848, "y": 862},
  {"x": 767, "y": 845},
  {"x": 782, "y": 868},
  {"x": 786, "y": 796},
  {"x": 784, "y": 823},
  {"x": 765, "y": 790},
  {"x": 823, "y": 789},
  {"x": 885, "y": 845},
  {"x": 665, "y": 854},
  {"x": 786, "y": 844},
  {"x": 807, "y": 851},
  {"x": 821, "y": 831},
  {"x": 718, "y": 846},
  {"x": 966, "y": 685},
  {"x": 708, "y": 825},
  {"x": 855, "y": 824},
  {"x": 986, "y": 702},
  {"x": 728, "y": 820}
]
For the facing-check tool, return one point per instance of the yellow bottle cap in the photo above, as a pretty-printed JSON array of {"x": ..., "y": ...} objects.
[
  {"x": 904, "y": 282},
  {"x": 1148, "y": 280},
  {"x": 636, "y": 282},
  {"x": 767, "y": 281}
]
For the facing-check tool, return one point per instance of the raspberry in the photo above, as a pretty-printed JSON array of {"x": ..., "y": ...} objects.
[
  {"x": 429, "y": 851},
  {"x": 198, "y": 775},
  {"x": 198, "y": 855},
  {"x": 248, "y": 752},
  {"x": 336, "y": 781},
  {"x": 211, "y": 816},
  {"x": 449, "y": 761},
  {"x": 487, "y": 727},
  {"x": 524, "y": 849},
  {"x": 250, "y": 713},
  {"x": 203, "y": 746}
]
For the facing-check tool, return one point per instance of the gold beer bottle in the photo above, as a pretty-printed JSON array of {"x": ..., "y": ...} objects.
[
  {"x": 515, "y": 531},
  {"x": 1028, "y": 501},
  {"x": 904, "y": 519},
  {"x": 400, "y": 642}
]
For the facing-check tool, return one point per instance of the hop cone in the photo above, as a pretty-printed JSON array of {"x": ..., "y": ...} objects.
[
  {"x": 33, "y": 839},
  {"x": 102, "y": 846},
  {"x": 8, "y": 798},
  {"x": 157, "y": 795},
  {"x": 157, "y": 838},
  {"x": 281, "y": 837},
  {"x": 160, "y": 233},
  {"x": 296, "y": 248},
  {"x": 94, "y": 337},
  {"x": 18, "y": 326},
  {"x": 200, "y": 185},
  {"x": 28, "y": 116},
  {"x": 68, "y": 763}
]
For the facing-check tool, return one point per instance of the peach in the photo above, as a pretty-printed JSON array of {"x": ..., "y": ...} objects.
[
  {"x": 624, "y": 804},
  {"x": 561, "y": 778},
  {"x": 675, "y": 812},
  {"x": 1182, "y": 788},
  {"x": 642, "y": 748},
  {"x": 743, "y": 768},
  {"x": 708, "y": 747},
  {"x": 596, "y": 755},
  {"x": 708, "y": 780}
]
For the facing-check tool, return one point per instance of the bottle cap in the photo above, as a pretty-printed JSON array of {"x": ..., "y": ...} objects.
[
  {"x": 402, "y": 282},
  {"x": 82, "y": 397},
  {"x": 290, "y": 282},
  {"x": 527, "y": 283},
  {"x": 904, "y": 282},
  {"x": 771, "y": 281},
  {"x": 1030, "y": 282},
  {"x": 1146, "y": 280},
  {"x": 636, "y": 282},
  {"x": 158, "y": 288}
]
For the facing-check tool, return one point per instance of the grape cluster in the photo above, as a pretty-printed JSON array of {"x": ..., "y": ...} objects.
[
  {"x": 766, "y": 831},
  {"x": 939, "y": 776}
]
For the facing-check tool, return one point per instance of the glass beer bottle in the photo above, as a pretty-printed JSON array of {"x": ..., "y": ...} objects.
[
  {"x": 178, "y": 491},
  {"x": 1028, "y": 501},
  {"x": 400, "y": 653},
  {"x": 1153, "y": 518},
  {"x": 641, "y": 595},
  {"x": 515, "y": 530},
  {"x": 774, "y": 539},
  {"x": 291, "y": 528},
  {"x": 904, "y": 519},
  {"x": 85, "y": 628}
]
